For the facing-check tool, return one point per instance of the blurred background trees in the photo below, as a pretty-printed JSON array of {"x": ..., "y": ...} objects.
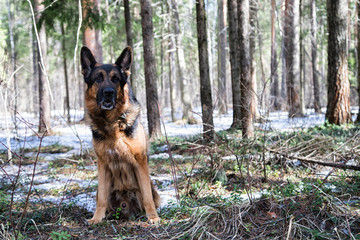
[{"x": 289, "y": 43}]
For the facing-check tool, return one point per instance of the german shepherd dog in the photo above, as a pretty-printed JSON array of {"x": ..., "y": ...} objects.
[{"x": 119, "y": 139}]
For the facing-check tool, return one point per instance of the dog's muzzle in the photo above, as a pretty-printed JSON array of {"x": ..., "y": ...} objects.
[{"x": 107, "y": 98}]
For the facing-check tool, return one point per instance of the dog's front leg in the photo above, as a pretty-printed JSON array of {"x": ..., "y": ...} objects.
[
  {"x": 143, "y": 177},
  {"x": 102, "y": 193}
]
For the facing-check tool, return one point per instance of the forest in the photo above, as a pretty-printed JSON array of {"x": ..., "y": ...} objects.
[{"x": 251, "y": 109}]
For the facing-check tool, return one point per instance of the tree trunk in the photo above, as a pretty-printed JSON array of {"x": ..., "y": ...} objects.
[
  {"x": 205, "y": 87},
  {"x": 44, "y": 97},
  {"x": 108, "y": 19},
  {"x": 273, "y": 65},
  {"x": 317, "y": 105},
  {"x": 222, "y": 103},
  {"x": 172, "y": 76},
  {"x": 245, "y": 77},
  {"x": 91, "y": 36},
  {"x": 129, "y": 40},
  {"x": 338, "y": 107},
  {"x": 185, "y": 83},
  {"x": 358, "y": 56},
  {"x": 13, "y": 63},
  {"x": 254, "y": 27},
  {"x": 152, "y": 103},
  {"x": 34, "y": 89},
  {"x": 292, "y": 55},
  {"x": 234, "y": 63},
  {"x": 302, "y": 63},
  {"x": 283, "y": 57},
  {"x": 260, "y": 41},
  {"x": 67, "y": 97}
]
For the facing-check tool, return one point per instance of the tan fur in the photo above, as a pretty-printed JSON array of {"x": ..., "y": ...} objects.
[{"x": 122, "y": 160}]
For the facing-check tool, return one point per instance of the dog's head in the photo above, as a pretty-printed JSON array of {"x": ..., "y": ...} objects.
[{"x": 106, "y": 81}]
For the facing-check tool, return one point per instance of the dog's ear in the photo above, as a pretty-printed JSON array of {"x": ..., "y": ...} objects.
[
  {"x": 125, "y": 59},
  {"x": 87, "y": 61}
]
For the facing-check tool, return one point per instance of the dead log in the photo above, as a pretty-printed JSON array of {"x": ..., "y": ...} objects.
[{"x": 313, "y": 161}]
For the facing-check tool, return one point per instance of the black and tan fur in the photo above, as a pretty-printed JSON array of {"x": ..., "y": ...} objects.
[{"x": 119, "y": 139}]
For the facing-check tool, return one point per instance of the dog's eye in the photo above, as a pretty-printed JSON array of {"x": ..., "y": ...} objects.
[
  {"x": 123, "y": 205},
  {"x": 98, "y": 78},
  {"x": 115, "y": 79}
]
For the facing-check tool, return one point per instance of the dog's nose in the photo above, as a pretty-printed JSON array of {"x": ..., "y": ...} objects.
[{"x": 109, "y": 92}]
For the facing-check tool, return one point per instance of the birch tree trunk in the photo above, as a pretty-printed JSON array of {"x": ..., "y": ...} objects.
[
  {"x": 338, "y": 107},
  {"x": 205, "y": 87}
]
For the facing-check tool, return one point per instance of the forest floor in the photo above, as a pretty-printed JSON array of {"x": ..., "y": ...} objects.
[{"x": 263, "y": 188}]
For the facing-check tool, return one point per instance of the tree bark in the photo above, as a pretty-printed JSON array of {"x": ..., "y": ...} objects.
[
  {"x": 108, "y": 19},
  {"x": 292, "y": 57},
  {"x": 91, "y": 36},
  {"x": 67, "y": 96},
  {"x": 152, "y": 103},
  {"x": 338, "y": 107},
  {"x": 205, "y": 87},
  {"x": 13, "y": 63},
  {"x": 302, "y": 63},
  {"x": 254, "y": 27},
  {"x": 358, "y": 56},
  {"x": 185, "y": 83},
  {"x": 222, "y": 103},
  {"x": 234, "y": 63},
  {"x": 273, "y": 64},
  {"x": 44, "y": 97},
  {"x": 317, "y": 105},
  {"x": 172, "y": 77},
  {"x": 129, "y": 40},
  {"x": 245, "y": 68}
]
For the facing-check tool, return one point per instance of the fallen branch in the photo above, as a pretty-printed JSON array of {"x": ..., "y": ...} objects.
[{"x": 311, "y": 160}]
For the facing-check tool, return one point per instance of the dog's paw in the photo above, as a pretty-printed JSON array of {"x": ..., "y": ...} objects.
[
  {"x": 93, "y": 221},
  {"x": 154, "y": 220}
]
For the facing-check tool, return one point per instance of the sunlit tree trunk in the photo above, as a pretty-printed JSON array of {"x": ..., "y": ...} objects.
[
  {"x": 292, "y": 57},
  {"x": 222, "y": 96},
  {"x": 129, "y": 40},
  {"x": 185, "y": 83},
  {"x": 338, "y": 107},
  {"x": 234, "y": 62},
  {"x": 245, "y": 69},
  {"x": 172, "y": 77},
  {"x": 253, "y": 32},
  {"x": 152, "y": 103},
  {"x": 205, "y": 87},
  {"x": 317, "y": 106},
  {"x": 92, "y": 37},
  {"x": 273, "y": 65},
  {"x": 44, "y": 96}
]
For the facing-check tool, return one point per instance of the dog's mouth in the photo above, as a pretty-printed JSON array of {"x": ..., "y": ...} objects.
[{"x": 107, "y": 104}]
